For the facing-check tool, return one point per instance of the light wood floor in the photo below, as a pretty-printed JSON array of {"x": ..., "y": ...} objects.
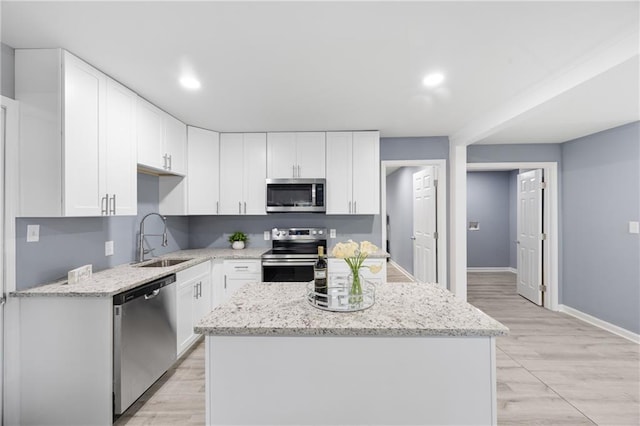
[
  {"x": 555, "y": 369},
  {"x": 552, "y": 369}
]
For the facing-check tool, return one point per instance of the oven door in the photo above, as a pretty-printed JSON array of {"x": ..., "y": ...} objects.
[{"x": 288, "y": 270}]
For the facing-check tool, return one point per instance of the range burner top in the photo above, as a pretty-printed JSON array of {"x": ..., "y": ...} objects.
[{"x": 296, "y": 243}]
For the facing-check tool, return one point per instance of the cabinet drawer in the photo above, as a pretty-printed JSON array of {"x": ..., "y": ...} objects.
[
  {"x": 193, "y": 272},
  {"x": 235, "y": 267}
]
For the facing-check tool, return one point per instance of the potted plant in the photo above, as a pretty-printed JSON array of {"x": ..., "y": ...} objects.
[{"x": 237, "y": 240}]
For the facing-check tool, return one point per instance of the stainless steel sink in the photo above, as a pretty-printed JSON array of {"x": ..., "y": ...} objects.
[{"x": 163, "y": 263}]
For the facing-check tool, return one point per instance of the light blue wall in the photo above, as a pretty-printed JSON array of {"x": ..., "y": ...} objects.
[
  {"x": 67, "y": 243},
  {"x": 488, "y": 203},
  {"x": 514, "y": 152},
  {"x": 212, "y": 231},
  {"x": 400, "y": 212},
  {"x": 601, "y": 187},
  {"x": 7, "y": 70}
]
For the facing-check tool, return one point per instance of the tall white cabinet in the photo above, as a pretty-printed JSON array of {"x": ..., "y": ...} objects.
[
  {"x": 77, "y": 140},
  {"x": 243, "y": 173},
  {"x": 296, "y": 155},
  {"x": 353, "y": 173},
  {"x": 203, "y": 148}
]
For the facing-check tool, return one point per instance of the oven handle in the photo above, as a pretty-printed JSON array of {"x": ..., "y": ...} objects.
[{"x": 288, "y": 263}]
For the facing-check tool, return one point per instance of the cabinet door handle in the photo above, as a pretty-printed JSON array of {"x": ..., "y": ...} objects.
[
  {"x": 164, "y": 164},
  {"x": 170, "y": 162},
  {"x": 112, "y": 209},
  {"x": 354, "y": 208},
  {"x": 104, "y": 205},
  {"x": 349, "y": 207},
  {"x": 298, "y": 170},
  {"x": 195, "y": 291},
  {"x": 239, "y": 207},
  {"x": 293, "y": 169},
  {"x": 245, "y": 207},
  {"x": 225, "y": 282},
  {"x": 200, "y": 289}
]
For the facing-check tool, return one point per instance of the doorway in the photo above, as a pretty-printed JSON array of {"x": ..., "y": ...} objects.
[
  {"x": 400, "y": 230},
  {"x": 548, "y": 239}
]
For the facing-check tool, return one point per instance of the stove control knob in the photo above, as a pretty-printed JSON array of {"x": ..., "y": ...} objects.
[
  {"x": 313, "y": 232},
  {"x": 320, "y": 232}
]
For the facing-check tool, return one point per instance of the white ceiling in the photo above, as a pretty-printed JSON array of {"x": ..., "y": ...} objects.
[{"x": 515, "y": 71}]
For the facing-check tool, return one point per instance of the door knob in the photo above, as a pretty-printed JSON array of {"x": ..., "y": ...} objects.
[{"x": 413, "y": 238}]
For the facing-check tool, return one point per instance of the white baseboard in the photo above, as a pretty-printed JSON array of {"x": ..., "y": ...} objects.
[
  {"x": 492, "y": 269},
  {"x": 401, "y": 269},
  {"x": 622, "y": 332}
]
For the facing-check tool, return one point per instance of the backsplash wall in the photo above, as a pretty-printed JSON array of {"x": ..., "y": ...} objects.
[{"x": 67, "y": 243}]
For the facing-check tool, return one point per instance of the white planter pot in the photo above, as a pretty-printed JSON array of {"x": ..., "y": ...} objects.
[{"x": 238, "y": 245}]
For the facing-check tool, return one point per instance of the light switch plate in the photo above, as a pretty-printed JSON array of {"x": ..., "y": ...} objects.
[
  {"x": 267, "y": 235},
  {"x": 634, "y": 227},
  {"x": 108, "y": 248},
  {"x": 33, "y": 233},
  {"x": 332, "y": 233}
]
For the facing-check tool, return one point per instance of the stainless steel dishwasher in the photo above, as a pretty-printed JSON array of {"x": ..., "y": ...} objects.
[{"x": 144, "y": 339}]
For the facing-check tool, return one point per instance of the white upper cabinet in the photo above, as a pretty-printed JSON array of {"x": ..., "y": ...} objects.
[
  {"x": 74, "y": 121},
  {"x": 243, "y": 172},
  {"x": 296, "y": 155},
  {"x": 203, "y": 179},
  {"x": 353, "y": 172},
  {"x": 162, "y": 140}
]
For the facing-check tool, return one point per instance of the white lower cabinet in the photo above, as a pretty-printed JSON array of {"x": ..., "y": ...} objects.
[
  {"x": 194, "y": 301},
  {"x": 339, "y": 268},
  {"x": 237, "y": 273}
]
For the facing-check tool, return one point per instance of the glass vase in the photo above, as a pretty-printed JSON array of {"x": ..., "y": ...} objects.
[{"x": 355, "y": 292}]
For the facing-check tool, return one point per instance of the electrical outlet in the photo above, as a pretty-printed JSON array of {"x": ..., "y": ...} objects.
[
  {"x": 267, "y": 235},
  {"x": 108, "y": 248},
  {"x": 33, "y": 233},
  {"x": 332, "y": 233},
  {"x": 634, "y": 227}
]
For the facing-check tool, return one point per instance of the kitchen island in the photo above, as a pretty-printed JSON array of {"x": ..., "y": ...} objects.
[{"x": 418, "y": 356}]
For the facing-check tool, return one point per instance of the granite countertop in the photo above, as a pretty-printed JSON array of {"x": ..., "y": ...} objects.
[
  {"x": 401, "y": 309},
  {"x": 112, "y": 281}
]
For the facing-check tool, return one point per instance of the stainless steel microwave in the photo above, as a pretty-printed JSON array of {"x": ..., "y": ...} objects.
[{"x": 296, "y": 195}]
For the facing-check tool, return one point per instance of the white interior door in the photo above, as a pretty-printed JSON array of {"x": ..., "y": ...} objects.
[
  {"x": 530, "y": 235},
  {"x": 424, "y": 226}
]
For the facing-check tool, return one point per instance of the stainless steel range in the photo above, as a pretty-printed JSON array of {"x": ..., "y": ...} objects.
[{"x": 293, "y": 254}]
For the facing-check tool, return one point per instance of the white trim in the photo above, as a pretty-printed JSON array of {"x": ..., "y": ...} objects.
[
  {"x": 607, "y": 326},
  {"x": 441, "y": 174},
  {"x": 402, "y": 270},
  {"x": 11, "y": 355},
  {"x": 458, "y": 212},
  {"x": 491, "y": 269},
  {"x": 551, "y": 259}
]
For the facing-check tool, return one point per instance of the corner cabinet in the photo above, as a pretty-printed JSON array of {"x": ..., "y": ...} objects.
[
  {"x": 77, "y": 138},
  {"x": 193, "y": 300},
  {"x": 296, "y": 155},
  {"x": 237, "y": 273},
  {"x": 353, "y": 173},
  {"x": 162, "y": 140},
  {"x": 243, "y": 173}
]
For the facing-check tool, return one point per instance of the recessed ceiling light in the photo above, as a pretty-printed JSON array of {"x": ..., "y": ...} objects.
[
  {"x": 190, "y": 83},
  {"x": 433, "y": 80}
]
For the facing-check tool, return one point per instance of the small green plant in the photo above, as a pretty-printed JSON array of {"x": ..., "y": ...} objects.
[{"x": 238, "y": 236}]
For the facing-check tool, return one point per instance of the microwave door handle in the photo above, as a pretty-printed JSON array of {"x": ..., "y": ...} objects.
[{"x": 313, "y": 195}]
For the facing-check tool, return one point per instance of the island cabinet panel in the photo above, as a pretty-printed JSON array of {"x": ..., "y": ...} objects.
[
  {"x": 77, "y": 138},
  {"x": 243, "y": 173},
  {"x": 355, "y": 380},
  {"x": 296, "y": 155},
  {"x": 353, "y": 173}
]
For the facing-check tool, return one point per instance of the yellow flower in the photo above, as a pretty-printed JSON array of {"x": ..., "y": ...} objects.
[
  {"x": 375, "y": 268},
  {"x": 367, "y": 248}
]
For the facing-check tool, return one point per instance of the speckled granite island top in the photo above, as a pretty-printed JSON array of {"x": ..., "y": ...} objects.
[
  {"x": 401, "y": 309},
  {"x": 121, "y": 278}
]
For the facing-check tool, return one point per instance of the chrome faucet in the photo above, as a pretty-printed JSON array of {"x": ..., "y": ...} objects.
[{"x": 141, "y": 250}]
